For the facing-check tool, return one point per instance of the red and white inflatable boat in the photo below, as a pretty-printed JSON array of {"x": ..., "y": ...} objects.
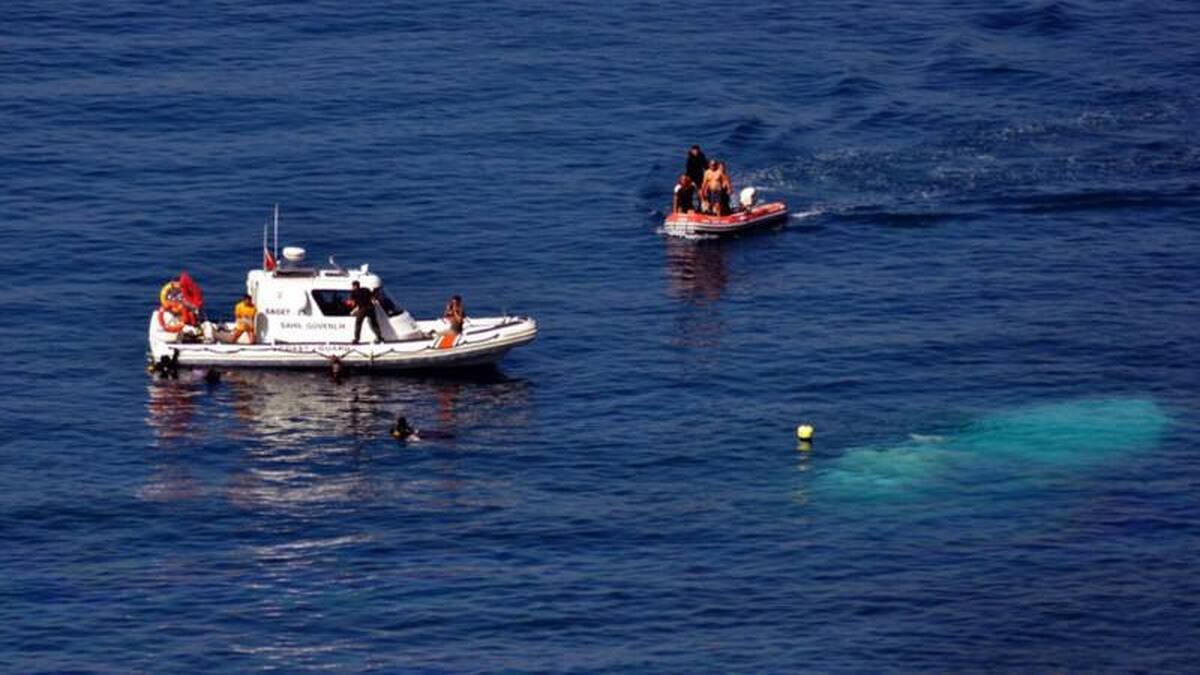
[{"x": 751, "y": 217}]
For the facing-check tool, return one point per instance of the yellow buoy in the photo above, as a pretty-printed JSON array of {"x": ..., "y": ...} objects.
[{"x": 804, "y": 432}]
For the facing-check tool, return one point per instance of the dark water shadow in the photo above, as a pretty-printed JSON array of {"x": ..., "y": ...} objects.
[
  {"x": 298, "y": 441},
  {"x": 696, "y": 269},
  {"x": 292, "y": 406}
]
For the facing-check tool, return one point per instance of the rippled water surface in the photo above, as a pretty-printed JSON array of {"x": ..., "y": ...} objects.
[{"x": 985, "y": 304}]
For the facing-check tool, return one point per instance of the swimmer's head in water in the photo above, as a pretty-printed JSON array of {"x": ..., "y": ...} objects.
[{"x": 401, "y": 429}]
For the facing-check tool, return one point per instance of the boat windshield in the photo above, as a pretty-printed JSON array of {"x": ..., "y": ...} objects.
[
  {"x": 388, "y": 304},
  {"x": 334, "y": 302}
]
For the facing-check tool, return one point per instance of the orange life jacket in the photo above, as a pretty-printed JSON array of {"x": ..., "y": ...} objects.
[{"x": 245, "y": 311}]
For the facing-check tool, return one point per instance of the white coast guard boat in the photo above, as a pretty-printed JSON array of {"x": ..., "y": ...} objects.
[{"x": 303, "y": 321}]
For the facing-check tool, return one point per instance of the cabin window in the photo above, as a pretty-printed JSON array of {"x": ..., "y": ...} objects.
[{"x": 333, "y": 303}]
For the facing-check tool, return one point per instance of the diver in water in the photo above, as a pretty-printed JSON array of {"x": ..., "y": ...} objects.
[
  {"x": 403, "y": 431},
  {"x": 166, "y": 366}
]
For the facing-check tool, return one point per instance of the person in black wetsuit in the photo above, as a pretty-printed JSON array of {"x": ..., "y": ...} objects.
[
  {"x": 362, "y": 302},
  {"x": 685, "y": 195},
  {"x": 696, "y": 164},
  {"x": 403, "y": 431}
]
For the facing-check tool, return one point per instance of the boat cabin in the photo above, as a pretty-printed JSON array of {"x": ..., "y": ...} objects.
[{"x": 301, "y": 304}]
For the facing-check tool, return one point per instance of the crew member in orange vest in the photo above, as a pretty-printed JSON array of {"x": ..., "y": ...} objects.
[{"x": 245, "y": 311}]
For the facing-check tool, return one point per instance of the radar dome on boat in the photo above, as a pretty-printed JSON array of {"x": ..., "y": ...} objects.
[{"x": 293, "y": 254}]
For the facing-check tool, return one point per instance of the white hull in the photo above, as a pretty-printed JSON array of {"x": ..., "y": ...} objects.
[
  {"x": 304, "y": 317},
  {"x": 484, "y": 341}
]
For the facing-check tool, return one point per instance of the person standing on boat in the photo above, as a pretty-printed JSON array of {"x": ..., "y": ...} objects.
[
  {"x": 696, "y": 164},
  {"x": 362, "y": 304},
  {"x": 685, "y": 195},
  {"x": 716, "y": 189},
  {"x": 724, "y": 190},
  {"x": 706, "y": 186},
  {"x": 244, "y": 313},
  {"x": 455, "y": 315}
]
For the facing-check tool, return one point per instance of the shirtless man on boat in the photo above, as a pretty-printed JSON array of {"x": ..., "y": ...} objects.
[
  {"x": 717, "y": 214},
  {"x": 708, "y": 178},
  {"x": 716, "y": 188}
]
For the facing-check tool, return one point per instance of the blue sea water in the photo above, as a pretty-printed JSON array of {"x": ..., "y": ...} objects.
[{"x": 988, "y": 311}]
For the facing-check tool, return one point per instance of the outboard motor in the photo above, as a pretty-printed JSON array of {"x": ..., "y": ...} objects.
[{"x": 747, "y": 197}]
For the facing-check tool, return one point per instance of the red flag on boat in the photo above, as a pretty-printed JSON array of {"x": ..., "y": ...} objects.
[{"x": 192, "y": 295}]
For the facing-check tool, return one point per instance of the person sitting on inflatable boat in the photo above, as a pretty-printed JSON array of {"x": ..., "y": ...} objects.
[{"x": 685, "y": 195}]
